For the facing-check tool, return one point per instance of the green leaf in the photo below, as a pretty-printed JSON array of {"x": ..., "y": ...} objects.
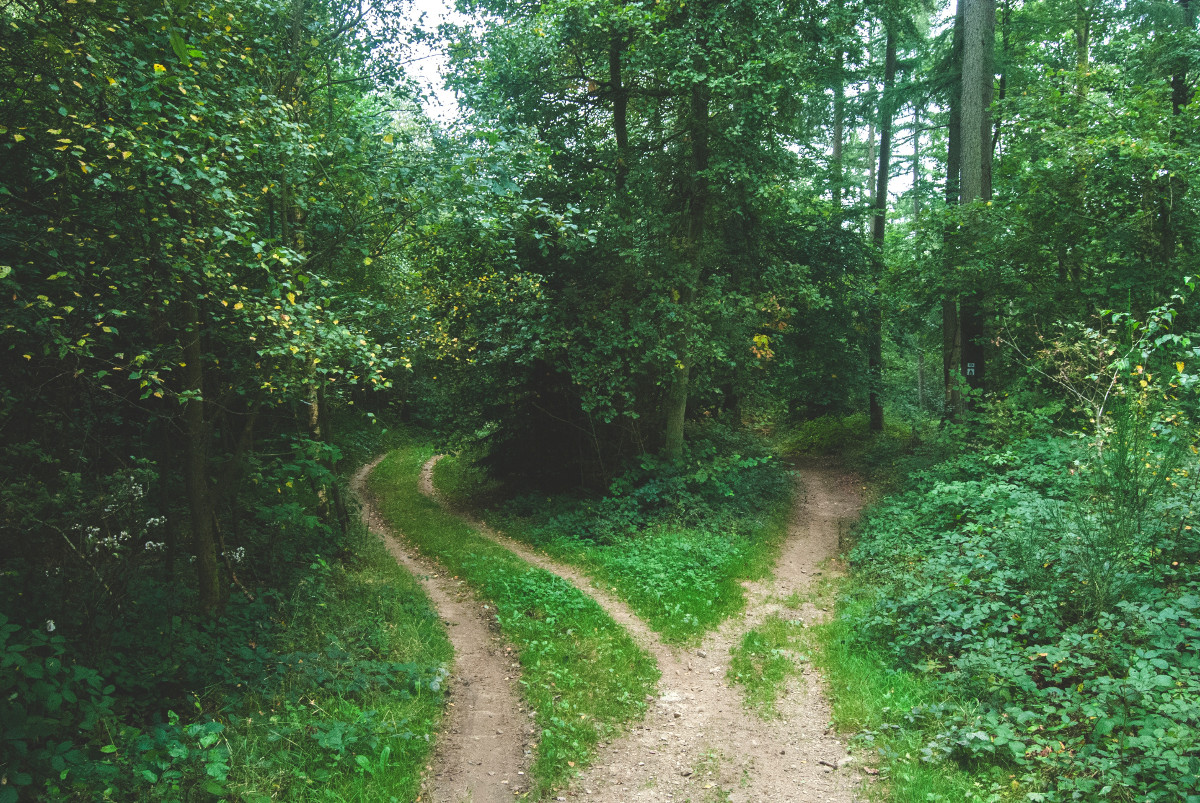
[{"x": 179, "y": 46}]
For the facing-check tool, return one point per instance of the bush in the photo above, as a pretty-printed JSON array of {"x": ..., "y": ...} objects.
[{"x": 1058, "y": 587}]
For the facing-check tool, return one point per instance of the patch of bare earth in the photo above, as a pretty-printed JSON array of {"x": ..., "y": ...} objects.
[
  {"x": 698, "y": 742},
  {"x": 482, "y": 753}
]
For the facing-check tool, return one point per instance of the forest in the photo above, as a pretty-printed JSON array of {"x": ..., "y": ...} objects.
[{"x": 669, "y": 276}]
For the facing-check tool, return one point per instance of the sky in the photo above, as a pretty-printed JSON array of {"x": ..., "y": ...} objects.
[{"x": 429, "y": 62}]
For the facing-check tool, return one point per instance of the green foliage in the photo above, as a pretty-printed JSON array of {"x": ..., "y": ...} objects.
[
  {"x": 1056, "y": 587},
  {"x": 888, "y": 711},
  {"x": 767, "y": 657},
  {"x": 581, "y": 673},
  {"x": 674, "y": 539},
  {"x": 828, "y": 434}
]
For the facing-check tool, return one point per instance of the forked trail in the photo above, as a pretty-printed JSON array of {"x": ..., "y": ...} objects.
[
  {"x": 698, "y": 741},
  {"x": 482, "y": 747}
]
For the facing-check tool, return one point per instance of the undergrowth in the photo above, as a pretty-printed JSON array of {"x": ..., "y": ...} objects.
[
  {"x": 674, "y": 540},
  {"x": 581, "y": 673},
  {"x": 1045, "y": 595},
  {"x": 325, "y": 685}
]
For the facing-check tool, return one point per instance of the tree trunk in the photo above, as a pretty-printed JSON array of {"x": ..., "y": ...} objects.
[
  {"x": 1181, "y": 90},
  {"x": 676, "y": 410},
  {"x": 697, "y": 212},
  {"x": 195, "y": 467},
  {"x": 620, "y": 100},
  {"x": 979, "y": 33},
  {"x": 878, "y": 228},
  {"x": 951, "y": 340},
  {"x": 916, "y": 162},
  {"x": 837, "y": 177}
]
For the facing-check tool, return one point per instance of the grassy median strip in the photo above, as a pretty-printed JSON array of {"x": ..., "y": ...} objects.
[
  {"x": 582, "y": 674},
  {"x": 682, "y": 575},
  {"x": 766, "y": 658}
]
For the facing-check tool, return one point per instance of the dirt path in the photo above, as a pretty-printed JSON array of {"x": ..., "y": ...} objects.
[
  {"x": 698, "y": 742},
  {"x": 481, "y": 754}
]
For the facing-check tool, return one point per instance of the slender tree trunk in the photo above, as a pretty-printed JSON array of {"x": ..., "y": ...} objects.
[
  {"x": 1083, "y": 48},
  {"x": 916, "y": 162},
  {"x": 951, "y": 332},
  {"x": 195, "y": 467},
  {"x": 1181, "y": 97},
  {"x": 878, "y": 228},
  {"x": 620, "y": 99},
  {"x": 1181, "y": 88},
  {"x": 837, "y": 177},
  {"x": 871, "y": 175}
]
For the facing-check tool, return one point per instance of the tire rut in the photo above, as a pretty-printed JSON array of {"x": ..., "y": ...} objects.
[
  {"x": 698, "y": 741},
  {"x": 481, "y": 754}
]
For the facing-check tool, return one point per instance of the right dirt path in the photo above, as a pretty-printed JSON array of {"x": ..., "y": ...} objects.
[{"x": 698, "y": 742}]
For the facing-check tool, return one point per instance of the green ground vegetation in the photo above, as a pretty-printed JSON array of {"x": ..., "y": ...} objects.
[
  {"x": 674, "y": 540},
  {"x": 323, "y": 683},
  {"x": 581, "y": 673},
  {"x": 1027, "y": 610},
  {"x": 767, "y": 657}
]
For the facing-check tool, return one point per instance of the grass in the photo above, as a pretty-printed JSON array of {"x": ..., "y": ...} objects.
[
  {"x": 342, "y": 723},
  {"x": 682, "y": 580},
  {"x": 881, "y": 708},
  {"x": 581, "y": 673},
  {"x": 766, "y": 658}
]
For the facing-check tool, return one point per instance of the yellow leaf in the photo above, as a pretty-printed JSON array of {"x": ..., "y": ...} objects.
[
  {"x": 159, "y": 68},
  {"x": 126, "y": 154},
  {"x": 1179, "y": 367},
  {"x": 18, "y": 138},
  {"x": 112, "y": 81},
  {"x": 238, "y": 305},
  {"x": 291, "y": 297},
  {"x": 388, "y": 138}
]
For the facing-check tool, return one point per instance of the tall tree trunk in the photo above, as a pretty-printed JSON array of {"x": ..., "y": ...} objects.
[
  {"x": 1181, "y": 89},
  {"x": 916, "y": 162},
  {"x": 837, "y": 176},
  {"x": 1181, "y": 96},
  {"x": 697, "y": 213},
  {"x": 878, "y": 228},
  {"x": 871, "y": 175},
  {"x": 979, "y": 34},
  {"x": 1083, "y": 48},
  {"x": 620, "y": 100},
  {"x": 951, "y": 332},
  {"x": 195, "y": 467}
]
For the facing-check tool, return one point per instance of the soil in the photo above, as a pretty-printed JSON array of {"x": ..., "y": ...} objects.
[
  {"x": 482, "y": 753},
  {"x": 698, "y": 742}
]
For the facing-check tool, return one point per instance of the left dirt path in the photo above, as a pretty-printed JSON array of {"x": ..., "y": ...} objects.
[{"x": 481, "y": 754}]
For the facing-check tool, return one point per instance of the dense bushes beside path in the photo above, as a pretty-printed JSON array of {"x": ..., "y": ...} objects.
[{"x": 1057, "y": 593}]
